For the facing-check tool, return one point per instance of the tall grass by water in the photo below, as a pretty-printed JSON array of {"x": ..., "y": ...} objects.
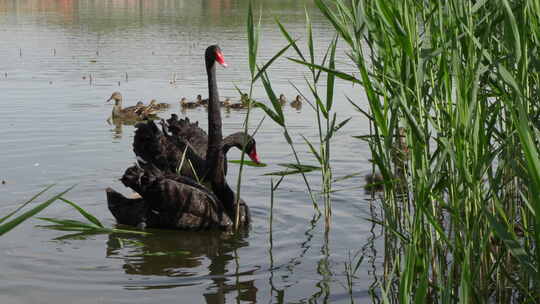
[
  {"x": 452, "y": 95},
  {"x": 462, "y": 211}
]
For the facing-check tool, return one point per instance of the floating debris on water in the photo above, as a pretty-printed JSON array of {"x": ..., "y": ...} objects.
[{"x": 93, "y": 61}]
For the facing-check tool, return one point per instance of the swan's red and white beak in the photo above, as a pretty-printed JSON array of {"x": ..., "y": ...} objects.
[
  {"x": 220, "y": 59},
  {"x": 254, "y": 157}
]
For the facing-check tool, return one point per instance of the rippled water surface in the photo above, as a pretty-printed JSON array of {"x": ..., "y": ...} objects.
[{"x": 60, "y": 61}]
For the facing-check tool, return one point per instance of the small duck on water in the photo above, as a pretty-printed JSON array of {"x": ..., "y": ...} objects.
[
  {"x": 201, "y": 101},
  {"x": 297, "y": 102},
  {"x": 185, "y": 104},
  {"x": 229, "y": 105},
  {"x": 159, "y": 106},
  {"x": 137, "y": 112},
  {"x": 282, "y": 99}
]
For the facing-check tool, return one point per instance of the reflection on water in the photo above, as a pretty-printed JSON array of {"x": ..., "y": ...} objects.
[
  {"x": 59, "y": 62},
  {"x": 182, "y": 255},
  {"x": 117, "y": 123}
]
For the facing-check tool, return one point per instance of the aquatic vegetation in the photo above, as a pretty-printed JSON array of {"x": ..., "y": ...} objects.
[
  {"x": 450, "y": 96},
  {"x": 462, "y": 213},
  {"x": 327, "y": 124},
  {"x": 15, "y": 221},
  {"x": 94, "y": 226}
]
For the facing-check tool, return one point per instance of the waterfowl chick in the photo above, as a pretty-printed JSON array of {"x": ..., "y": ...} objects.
[
  {"x": 297, "y": 103},
  {"x": 200, "y": 101},
  {"x": 227, "y": 104},
  {"x": 158, "y": 106},
  {"x": 185, "y": 104},
  {"x": 374, "y": 182},
  {"x": 282, "y": 99}
]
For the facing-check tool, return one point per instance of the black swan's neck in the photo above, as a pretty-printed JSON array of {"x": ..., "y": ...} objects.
[
  {"x": 214, "y": 154},
  {"x": 234, "y": 140}
]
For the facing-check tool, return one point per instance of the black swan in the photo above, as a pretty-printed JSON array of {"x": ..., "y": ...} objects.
[
  {"x": 170, "y": 200},
  {"x": 198, "y": 139},
  {"x": 137, "y": 112}
]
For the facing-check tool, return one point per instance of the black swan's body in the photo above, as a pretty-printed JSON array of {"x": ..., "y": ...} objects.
[
  {"x": 168, "y": 201},
  {"x": 172, "y": 200}
]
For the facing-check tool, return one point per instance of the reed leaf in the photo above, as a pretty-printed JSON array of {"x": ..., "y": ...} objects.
[
  {"x": 25, "y": 203},
  {"x": 269, "y": 62},
  {"x": 6, "y": 227},
  {"x": 83, "y": 212},
  {"x": 247, "y": 163},
  {"x": 336, "y": 73}
]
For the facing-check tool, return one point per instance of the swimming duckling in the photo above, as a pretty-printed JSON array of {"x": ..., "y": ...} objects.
[
  {"x": 158, "y": 106},
  {"x": 227, "y": 101},
  {"x": 200, "y": 101},
  {"x": 282, "y": 99},
  {"x": 227, "y": 104},
  {"x": 297, "y": 103},
  {"x": 185, "y": 104},
  {"x": 374, "y": 182}
]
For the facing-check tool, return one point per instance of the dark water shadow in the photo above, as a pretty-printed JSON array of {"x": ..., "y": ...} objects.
[{"x": 177, "y": 256}]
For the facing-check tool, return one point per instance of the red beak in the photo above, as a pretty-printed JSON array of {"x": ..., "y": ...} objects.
[
  {"x": 220, "y": 59},
  {"x": 254, "y": 157}
]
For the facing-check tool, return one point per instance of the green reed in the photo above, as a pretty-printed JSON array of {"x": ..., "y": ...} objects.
[
  {"x": 253, "y": 42},
  {"x": 93, "y": 226},
  {"x": 322, "y": 105},
  {"x": 452, "y": 92}
]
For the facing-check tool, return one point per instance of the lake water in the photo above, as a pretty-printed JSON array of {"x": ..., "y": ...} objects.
[{"x": 60, "y": 61}]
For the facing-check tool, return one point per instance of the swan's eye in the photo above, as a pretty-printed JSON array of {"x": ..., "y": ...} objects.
[{"x": 220, "y": 59}]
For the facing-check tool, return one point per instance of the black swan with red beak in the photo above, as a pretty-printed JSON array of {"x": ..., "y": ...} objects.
[{"x": 183, "y": 198}]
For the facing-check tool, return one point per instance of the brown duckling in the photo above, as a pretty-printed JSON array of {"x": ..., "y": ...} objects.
[
  {"x": 137, "y": 112},
  {"x": 297, "y": 103},
  {"x": 185, "y": 104},
  {"x": 227, "y": 101},
  {"x": 159, "y": 106},
  {"x": 374, "y": 182},
  {"x": 200, "y": 101},
  {"x": 282, "y": 99},
  {"x": 229, "y": 105}
]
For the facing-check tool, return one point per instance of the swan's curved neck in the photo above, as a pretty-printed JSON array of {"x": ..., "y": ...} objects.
[
  {"x": 214, "y": 154},
  {"x": 233, "y": 140}
]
